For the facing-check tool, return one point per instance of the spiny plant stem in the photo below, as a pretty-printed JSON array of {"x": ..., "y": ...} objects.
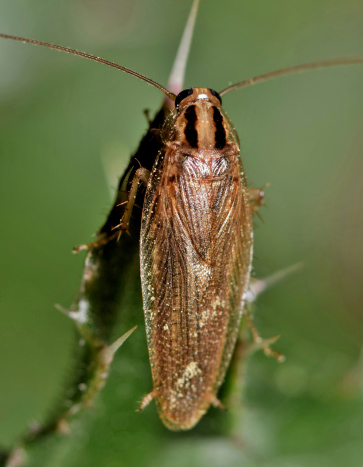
[{"x": 96, "y": 307}]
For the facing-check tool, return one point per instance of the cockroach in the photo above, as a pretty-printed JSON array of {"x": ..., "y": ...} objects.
[{"x": 196, "y": 244}]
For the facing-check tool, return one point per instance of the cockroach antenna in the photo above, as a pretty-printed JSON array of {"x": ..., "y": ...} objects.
[
  {"x": 355, "y": 60},
  {"x": 178, "y": 71},
  {"x": 95, "y": 59}
]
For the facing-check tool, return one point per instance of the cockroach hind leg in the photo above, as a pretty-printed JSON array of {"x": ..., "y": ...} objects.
[
  {"x": 256, "y": 287},
  {"x": 260, "y": 343},
  {"x": 265, "y": 345},
  {"x": 217, "y": 403},
  {"x": 147, "y": 399}
]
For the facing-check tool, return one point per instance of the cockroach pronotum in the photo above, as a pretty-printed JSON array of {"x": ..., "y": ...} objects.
[{"x": 196, "y": 244}]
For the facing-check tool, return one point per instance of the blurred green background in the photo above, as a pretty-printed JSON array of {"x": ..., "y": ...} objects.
[{"x": 67, "y": 127}]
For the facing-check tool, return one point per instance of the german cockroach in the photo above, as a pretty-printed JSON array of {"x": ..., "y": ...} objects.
[{"x": 196, "y": 244}]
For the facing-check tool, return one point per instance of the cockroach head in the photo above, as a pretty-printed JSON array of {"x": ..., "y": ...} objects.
[{"x": 191, "y": 95}]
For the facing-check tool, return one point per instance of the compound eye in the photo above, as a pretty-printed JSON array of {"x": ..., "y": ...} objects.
[
  {"x": 215, "y": 94},
  {"x": 181, "y": 96}
]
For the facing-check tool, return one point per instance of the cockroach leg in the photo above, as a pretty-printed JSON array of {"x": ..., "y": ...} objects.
[
  {"x": 238, "y": 367},
  {"x": 147, "y": 399},
  {"x": 259, "y": 342},
  {"x": 141, "y": 175},
  {"x": 217, "y": 403},
  {"x": 257, "y": 198},
  {"x": 244, "y": 347},
  {"x": 102, "y": 241}
]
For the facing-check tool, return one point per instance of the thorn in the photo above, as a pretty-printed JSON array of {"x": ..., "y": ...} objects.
[
  {"x": 70, "y": 313},
  {"x": 34, "y": 427},
  {"x": 17, "y": 458},
  {"x": 147, "y": 115},
  {"x": 176, "y": 79},
  {"x": 258, "y": 286},
  {"x": 63, "y": 427},
  {"x": 110, "y": 350},
  {"x": 81, "y": 316}
]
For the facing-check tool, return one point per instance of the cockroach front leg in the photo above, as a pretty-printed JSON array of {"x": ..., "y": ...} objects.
[{"x": 141, "y": 175}]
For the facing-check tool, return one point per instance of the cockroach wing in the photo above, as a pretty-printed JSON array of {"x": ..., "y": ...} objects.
[{"x": 196, "y": 252}]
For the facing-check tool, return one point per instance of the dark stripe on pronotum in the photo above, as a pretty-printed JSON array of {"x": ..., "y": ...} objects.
[
  {"x": 220, "y": 131},
  {"x": 190, "y": 131}
]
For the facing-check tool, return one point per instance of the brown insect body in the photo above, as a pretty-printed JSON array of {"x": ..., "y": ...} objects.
[{"x": 196, "y": 253}]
